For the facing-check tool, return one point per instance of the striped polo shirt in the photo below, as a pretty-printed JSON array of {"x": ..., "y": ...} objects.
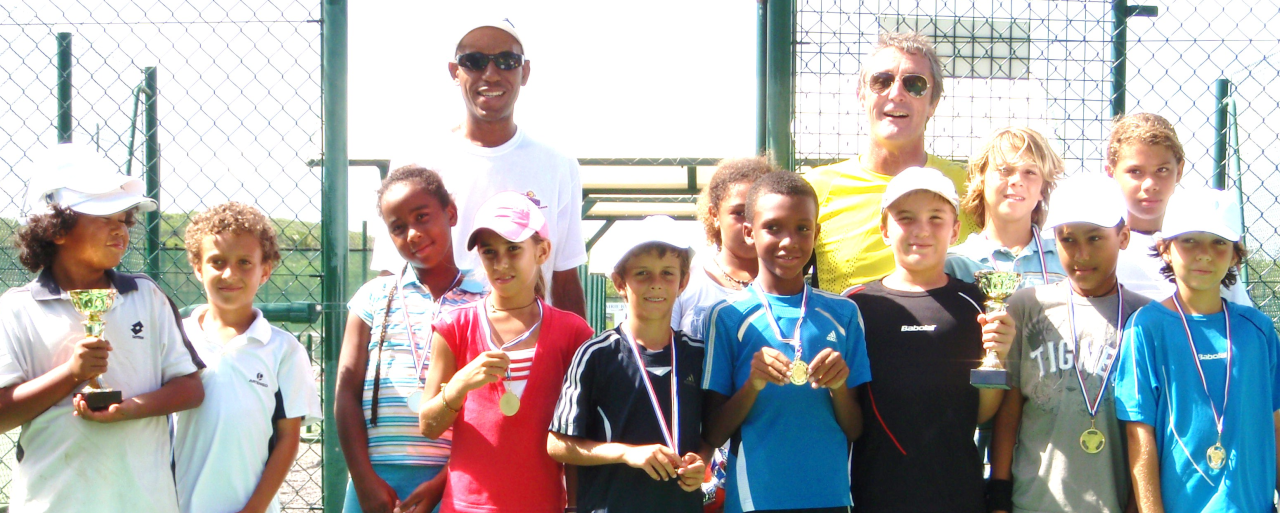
[{"x": 396, "y": 438}]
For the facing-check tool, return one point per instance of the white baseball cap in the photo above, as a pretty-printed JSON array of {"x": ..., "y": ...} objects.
[
  {"x": 1091, "y": 198},
  {"x": 496, "y": 22},
  {"x": 77, "y": 177},
  {"x": 1203, "y": 210},
  {"x": 657, "y": 228},
  {"x": 920, "y": 179}
]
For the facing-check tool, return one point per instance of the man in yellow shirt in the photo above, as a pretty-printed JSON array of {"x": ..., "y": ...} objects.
[{"x": 900, "y": 87}]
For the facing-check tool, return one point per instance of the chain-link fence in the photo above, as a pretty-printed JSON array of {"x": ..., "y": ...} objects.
[
  {"x": 237, "y": 115},
  {"x": 1049, "y": 65}
]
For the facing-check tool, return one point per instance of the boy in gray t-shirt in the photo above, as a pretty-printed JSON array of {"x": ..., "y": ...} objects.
[{"x": 1061, "y": 411}]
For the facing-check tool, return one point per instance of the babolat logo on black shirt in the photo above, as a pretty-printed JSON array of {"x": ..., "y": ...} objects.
[
  {"x": 926, "y": 327},
  {"x": 136, "y": 329},
  {"x": 258, "y": 381}
]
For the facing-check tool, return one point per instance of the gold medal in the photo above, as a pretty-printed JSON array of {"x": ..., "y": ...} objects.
[
  {"x": 1092, "y": 440},
  {"x": 1217, "y": 456},
  {"x": 509, "y": 403},
  {"x": 799, "y": 373}
]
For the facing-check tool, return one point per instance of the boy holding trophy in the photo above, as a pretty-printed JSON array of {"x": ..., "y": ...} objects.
[
  {"x": 927, "y": 334},
  {"x": 1058, "y": 444},
  {"x": 76, "y": 454}
]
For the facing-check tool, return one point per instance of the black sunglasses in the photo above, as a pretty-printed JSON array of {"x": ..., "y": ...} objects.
[
  {"x": 477, "y": 61},
  {"x": 915, "y": 85}
]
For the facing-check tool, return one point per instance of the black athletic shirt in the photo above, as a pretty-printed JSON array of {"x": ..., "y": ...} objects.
[
  {"x": 604, "y": 399},
  {"x": 916, "y": 452}
]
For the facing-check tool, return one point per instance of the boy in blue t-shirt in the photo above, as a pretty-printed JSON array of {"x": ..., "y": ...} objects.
[
  {"x": 1198, "y": 380},
  {"x": 634, "y": 440},
  {"x": 782, "y": 362}
]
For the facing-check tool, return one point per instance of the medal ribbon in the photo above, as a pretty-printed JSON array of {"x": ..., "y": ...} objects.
[
  {"x": 794, "y": 341},
  {"x": 1092, "y": 405},
  {"x": 1226, "y": 392},
  {"x": 420, "y": 363},
  {"x": 672, "y": 435},
  {"x": 1044, "y": 269},
  {"x": 488, "y": 333}
]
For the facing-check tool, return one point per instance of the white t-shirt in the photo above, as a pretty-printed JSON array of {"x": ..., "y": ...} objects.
[
  {"x": 256, "y": 378},
  {"x": 71, "y": 464},
  {"x": 689, "y": 311},
  {"x": 1140, "y": 272},
  {"x": 473, "y": 174}
]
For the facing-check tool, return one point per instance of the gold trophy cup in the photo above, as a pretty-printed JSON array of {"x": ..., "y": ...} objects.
[
  {"x": 93, "y": 304},
  {"x": 998, "y": 286}
]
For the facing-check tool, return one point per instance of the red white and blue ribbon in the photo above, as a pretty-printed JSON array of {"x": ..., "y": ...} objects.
[
  {"x": 1226, "y": 390},
  {"x": 1092, "y": 404},
  {"x": 670, "y": 435},
  {"x": 488, "y": 333},
  {"x": 419, "y": 363},
  {"x": 794, "y": 341}
]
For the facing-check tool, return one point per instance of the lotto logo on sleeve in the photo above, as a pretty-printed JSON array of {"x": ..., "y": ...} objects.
[{"x": 136, "y": 329}]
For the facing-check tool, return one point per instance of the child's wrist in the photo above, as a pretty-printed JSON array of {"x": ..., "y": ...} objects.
[{"x": 444, "y": 398}]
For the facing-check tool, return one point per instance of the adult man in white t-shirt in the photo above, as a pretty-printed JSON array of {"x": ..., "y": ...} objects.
[{"x": 488, "y": 154}]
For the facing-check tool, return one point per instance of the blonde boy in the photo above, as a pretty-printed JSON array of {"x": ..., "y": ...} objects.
[{"x": 234, "y": 451}]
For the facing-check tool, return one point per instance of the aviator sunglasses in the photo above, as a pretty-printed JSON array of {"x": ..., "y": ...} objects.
[
  {"x": 915, "y": 85},
  {"x": 477, "y": 61}
]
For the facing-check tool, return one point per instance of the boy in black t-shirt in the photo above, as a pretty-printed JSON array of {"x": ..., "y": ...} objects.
[
  {"x": 925, "y": 331},
  {"x": 637, "y": 444}
]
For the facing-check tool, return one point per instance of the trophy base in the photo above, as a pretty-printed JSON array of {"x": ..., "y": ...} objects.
[
  {"x": 989, "y": 378},
  {"x": 99, "y": 400}
]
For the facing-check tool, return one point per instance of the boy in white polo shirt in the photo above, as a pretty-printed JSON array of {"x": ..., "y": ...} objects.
[
  {"x": 234, "y": 451},
  {"x": 71, "y": 458}
]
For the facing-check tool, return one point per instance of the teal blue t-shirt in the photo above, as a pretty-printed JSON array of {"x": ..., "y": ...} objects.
[
  {"x": 977, "y": 253},
  {"x": 1157, "y": 383},
  {"x": 790, "y": 452}
]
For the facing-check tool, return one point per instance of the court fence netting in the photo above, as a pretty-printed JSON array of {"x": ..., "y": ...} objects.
[{"x": 1066, "y": 68}]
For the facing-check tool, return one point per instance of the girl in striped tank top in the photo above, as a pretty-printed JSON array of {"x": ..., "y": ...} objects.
[
  {"x": 497, "y": 368},
  {"x": 385, "y": 350}
]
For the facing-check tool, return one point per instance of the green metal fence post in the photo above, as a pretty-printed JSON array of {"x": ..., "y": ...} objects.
[
  {"x": 151, "y": 156},
  {"x": 1119, "y": 48},
  {"x": 1121, "y": 11},
  {"x": 1221, "y": 88},
  {"x": 64, "y": 87},
  {"x": 1235, "y": 157},
  {"x": 779, "y": 108},
  {"x": 762, "y": 82},
  {"x": 334, "y": 242}
]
